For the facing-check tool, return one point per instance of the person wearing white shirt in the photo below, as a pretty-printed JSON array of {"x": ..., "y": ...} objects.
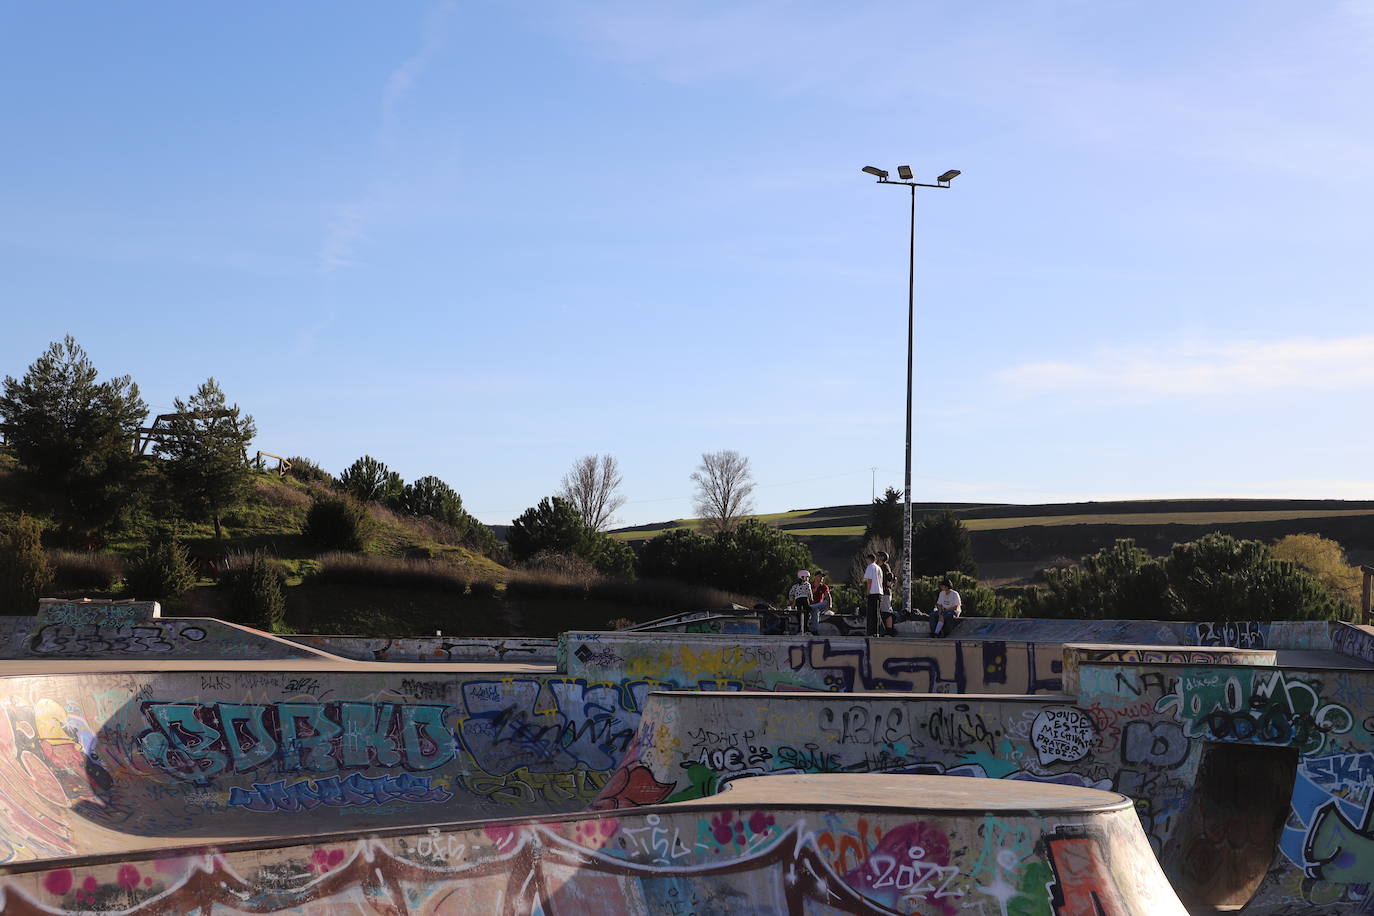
[
  {"x": 873, "y": 591},
  {"x": 948, "y": 606},
  {"x": 801, "y": 597}
]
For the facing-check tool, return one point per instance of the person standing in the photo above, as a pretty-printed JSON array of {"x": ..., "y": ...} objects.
[
  {"x": 886, "y": 614},
  {"x": 948, "y": 606},
  {"x": 800, "y": 596},
  {"x": 873, "y": 591}
]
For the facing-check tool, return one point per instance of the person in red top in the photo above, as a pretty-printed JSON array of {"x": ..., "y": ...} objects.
[{"x": 820, "y": 592}]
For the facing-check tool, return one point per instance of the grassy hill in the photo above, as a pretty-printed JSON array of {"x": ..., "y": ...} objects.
[
  {"x": 271, "y": 518},
  {"x": 1011, "y": 541}
]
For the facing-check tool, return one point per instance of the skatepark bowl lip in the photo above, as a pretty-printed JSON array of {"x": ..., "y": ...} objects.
[
  {"x": 38, "y": 667},
  {"x": 867, "y": 793}
]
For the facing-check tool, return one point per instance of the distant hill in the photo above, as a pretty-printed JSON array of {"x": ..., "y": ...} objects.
[{"x": 1010, "y": 541}]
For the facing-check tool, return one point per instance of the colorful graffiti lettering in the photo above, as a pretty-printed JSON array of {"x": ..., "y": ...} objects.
[
  {"x": 1266, "y": 708},
  {"x": 198, "y": 741},
  {"x": 1083, "y": 883},
  {"x": 351, "y": 792}
]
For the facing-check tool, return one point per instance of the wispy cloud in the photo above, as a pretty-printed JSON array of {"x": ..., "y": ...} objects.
[
  {"x": 348, "y": 228},
  {"x": 1193, "y": 370}
]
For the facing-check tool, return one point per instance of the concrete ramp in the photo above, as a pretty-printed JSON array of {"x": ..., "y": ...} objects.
[
  {"x": 695, "y": 744},
  {"x": 136, "y": 631},
  {"x": 780, "y": 845}
]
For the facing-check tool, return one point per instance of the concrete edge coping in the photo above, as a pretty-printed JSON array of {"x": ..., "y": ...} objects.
[
  {"x": 832, "y": 696},
  {"x": 42, "y": 667},
  {"x": 872, "y": 793}
]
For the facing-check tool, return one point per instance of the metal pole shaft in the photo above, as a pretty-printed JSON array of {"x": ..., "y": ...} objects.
[{"x": 910, "y": 336}]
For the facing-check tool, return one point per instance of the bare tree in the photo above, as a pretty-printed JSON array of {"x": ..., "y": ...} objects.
[
  {"x": 724, "y": 483},
  {"x": 592, "y": 486}
]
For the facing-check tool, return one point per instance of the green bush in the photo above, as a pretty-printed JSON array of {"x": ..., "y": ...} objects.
[
  {"x": 974, "y": 599},
  {"x": 753, "y": 558},
  {"x": 305, "y": 470},
  {"x": 255, "y": 585},
  {"x": 339, "y": 522},
  {"x": 160, "y": 569},
  {"x": 1217, "y": 577},
  {"x": 24, "y": 569}
]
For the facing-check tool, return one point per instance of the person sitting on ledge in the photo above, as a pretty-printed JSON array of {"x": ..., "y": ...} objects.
[
  {"x": 947, "y": 608},
  {"x": 820, "y": 606}
]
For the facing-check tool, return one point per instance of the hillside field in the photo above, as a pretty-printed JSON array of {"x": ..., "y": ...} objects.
[{"x": 1010, "y": 542}]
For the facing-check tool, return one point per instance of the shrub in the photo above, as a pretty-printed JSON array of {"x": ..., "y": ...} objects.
[
  {"x": 85, "y": 569},
  {"x": 1325, "y": 559},
  {"x": 846, "y": 599},
  {"x": 255, "y": 585},
  {"x": 679, "y": 554},
  {"x": 1216, "y": 577},
  {"x": 388, "y": 572},
  {"x": 24, "y": 569},
  {"x": 974, "y": 599},
  {"x": 339, "y": 522},
  {"x": 160, "y": 569},
  {"x": 752, "y": 558},
  {"x": 612, "y": 557},
  {"x": 305, "y": 470},
  {"x": 483, "y": 589},
  {"x": 552, "y": 525},
  {"x": 568, "y": 565}
]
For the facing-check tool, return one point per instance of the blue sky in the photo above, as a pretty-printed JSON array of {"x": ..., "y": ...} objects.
[{"x": 480, "y": 240}]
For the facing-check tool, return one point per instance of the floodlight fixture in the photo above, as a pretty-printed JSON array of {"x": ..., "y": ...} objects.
[{"x": 907, "y": 181}]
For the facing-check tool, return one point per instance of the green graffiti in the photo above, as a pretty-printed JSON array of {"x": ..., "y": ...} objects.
[
  {"x": 1337, "y": 850},
  {"x": 1033, "y": 893},
  {"x": 1262, "y": 707},
  {"x": 702, "y": 783},
  {"x": 998, "y": 766}
]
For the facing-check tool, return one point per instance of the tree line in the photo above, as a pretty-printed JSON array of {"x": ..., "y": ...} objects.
[{"x": 74, "y": 437}]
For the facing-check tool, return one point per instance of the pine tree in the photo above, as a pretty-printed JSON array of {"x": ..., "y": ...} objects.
[
  {"x": 370, "y": 481},
  {"x": 205, "y": 452},
  {"x": 74, "y": 436}
]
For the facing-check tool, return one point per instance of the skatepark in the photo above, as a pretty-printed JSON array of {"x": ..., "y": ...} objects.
[{"x": 154, "y": 764}]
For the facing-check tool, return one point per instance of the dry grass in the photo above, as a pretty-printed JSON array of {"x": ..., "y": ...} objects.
[
  {"x": 661, "y": 596},
  {"x": 388, "y": 572},
  {"x": 419, "y": 526},
  {"x": 84, "y": 569},
  {"x": 274, "y": 494}
]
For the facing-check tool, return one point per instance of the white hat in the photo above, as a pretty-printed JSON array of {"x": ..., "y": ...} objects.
[{"x": 803, "y": 574}]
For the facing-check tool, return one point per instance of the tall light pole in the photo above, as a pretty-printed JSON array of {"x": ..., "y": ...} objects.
[{"x": 905, "y": 180}]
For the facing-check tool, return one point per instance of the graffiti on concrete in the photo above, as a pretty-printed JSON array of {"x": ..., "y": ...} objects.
[
  {"x": 198, "y": 741},
  {"x": 1062, "y": 734},
  {"x": 1238, "y": 634},
  {"x": 355, "y": 791},
  {"x": 1263, "y": 707},
  {"x": 730, "y": 860}
]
